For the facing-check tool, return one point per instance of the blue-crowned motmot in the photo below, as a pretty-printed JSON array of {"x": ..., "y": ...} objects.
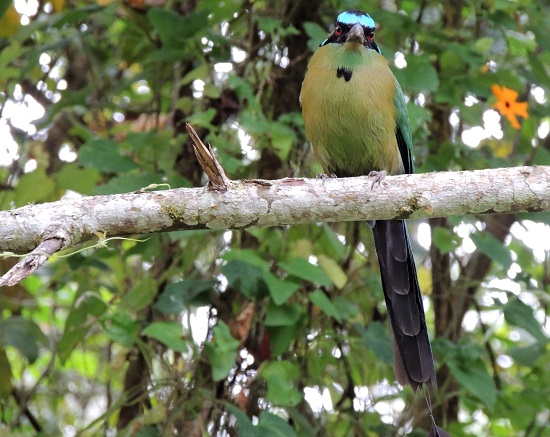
[{"x": 356, "y": 119}]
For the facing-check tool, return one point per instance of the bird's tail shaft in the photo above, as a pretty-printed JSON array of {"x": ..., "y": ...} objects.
[{"x": 413, "y": 355}]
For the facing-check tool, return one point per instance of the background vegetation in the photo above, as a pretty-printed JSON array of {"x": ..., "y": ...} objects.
[{"x": 278, "y": 331}]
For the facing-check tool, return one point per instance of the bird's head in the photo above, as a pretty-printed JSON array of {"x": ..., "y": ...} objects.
[{"x": 353, "y": 27}]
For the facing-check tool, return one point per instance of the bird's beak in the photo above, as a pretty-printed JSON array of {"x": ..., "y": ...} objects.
[{"x": 356, "y": 34}]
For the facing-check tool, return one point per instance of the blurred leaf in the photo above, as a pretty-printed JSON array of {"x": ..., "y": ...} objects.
[
  {"x": 176, "y": 30},
  {"x": 280, "y": 389},
  {"x": 246, "y": 429},
  {"x": 140, "y": 295},
  {"x": 445, "y": 240},
  {"x": 419, "y": 75},
  {"x": 346, "y": 308},
  {"x": 283, "y": 315},
  {"x": 24, "y": 335},
  {"x": 280, "y": 338},
  {"x": 493, "y": 248},
  {"x": 81, "y": 180},
  {"x": 521, "y": 315},
  {"x": 35, "y": 186},
  {"x": 178, "y": 296},
  {"x": 121, "y": 328},
  {"x": 377, "y": 339},
  {"x": 244, "y": 277},
  {"x": 470, "y": 371},
  {"x": 128, "y": 182},
  {"x": 5, "y": 376},
  {"x": 528, "y": 355},
  {"x": 274, "y": 426},
  {"x": 169, "y": 333},
  {"x": 303, "y": 269},
  {"x": 333, "y": 271},
  {"x": 316, "y": 34},
  {"x": 86, "y": 308},
  {"x": 323, "y": 302},
  {"x": 222, "y": 351},
  {"x": 4, "y": 5},
  {"x": 10, "y": 20},
  {"x": 104, "y": 155},
  {"x": 279, "y": 290}
]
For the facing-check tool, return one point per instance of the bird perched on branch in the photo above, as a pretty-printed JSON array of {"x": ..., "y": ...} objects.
[{"x": 355, "y": 117}]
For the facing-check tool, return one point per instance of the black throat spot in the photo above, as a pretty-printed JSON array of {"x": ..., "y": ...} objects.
[{"x": 344, "y": 72}]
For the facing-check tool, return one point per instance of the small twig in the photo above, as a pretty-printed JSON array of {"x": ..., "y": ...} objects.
[
  {"x": 31, "y": 262},
  {"x": 207, "y": 160}
]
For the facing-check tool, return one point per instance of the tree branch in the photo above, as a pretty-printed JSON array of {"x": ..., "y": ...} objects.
[{"x": 259, "y": 203}]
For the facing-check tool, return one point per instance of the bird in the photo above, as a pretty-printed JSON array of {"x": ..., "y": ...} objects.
[{"x": 355, "y": 117}]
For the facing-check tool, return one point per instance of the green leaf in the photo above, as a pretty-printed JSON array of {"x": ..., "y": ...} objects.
[
  {"x": 280, "y": 338},
  {"x": 470, "y": 371},
  {"x": 121, "y": 328},
  {"x": 169, "y": 333},
  {"x": 280, "y": 389},
  {"x": 35, "y": 186},
  {"x": 140, "y": 295},
  {"x": 528, "y": 355},
  {"x": 4, "y": 5},
  {"x": 346, "y": 308},
  {"x": 179, "y": 296},
  {"x": 174, "y": 29},
  {"x": 222, "y": 351},
  {"x": 281, "y": 392},
  {"x": 316, "y": 33},
  {"x": 105, "y": 156},
  {"x": 283, "y": 315},
  {"x": 303, "y": 269},
  {"x": 333, "y": 271},
  {"x": 245, "y": 277},
  {"x": 323, "y": 302},
  {"x": 493, "y": 248},
  {"x": 81, "y": 180},
  {"x": 419, "y": 75},
  {"x": 87, "y": 307},
  {"x": 279, "y": 290},
  {"x": 377, "y": 339},
  {"x": 521, "y": 315},
  {"x": 248, "y": 256},
  {"x": 6, "y": 384},
  {"x": 445, "y": 240},
  {"x": 127, "y": 182},
  {"x": 246, "y": 429},
  {"x": 24, "y": 335},
  {"x": 274, "y": 426}
]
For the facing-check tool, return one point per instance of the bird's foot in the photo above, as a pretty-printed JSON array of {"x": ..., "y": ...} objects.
[
  {"x": 326, "y": 176},
  {"x": 378, "y": 176}
]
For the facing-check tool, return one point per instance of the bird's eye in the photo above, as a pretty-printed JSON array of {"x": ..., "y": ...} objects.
[
  {"x": 371, "y": 35},
  {"x": 338, "y": 31}
]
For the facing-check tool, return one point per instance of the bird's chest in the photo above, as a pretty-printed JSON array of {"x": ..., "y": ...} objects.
[{"x": 349, "y": 113}]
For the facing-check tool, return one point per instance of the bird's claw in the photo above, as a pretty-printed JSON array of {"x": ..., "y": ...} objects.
[{"x": 378, "y": 176}]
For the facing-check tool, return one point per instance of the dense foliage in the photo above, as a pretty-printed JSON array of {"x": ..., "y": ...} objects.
[{"x": 278, "y": 331}]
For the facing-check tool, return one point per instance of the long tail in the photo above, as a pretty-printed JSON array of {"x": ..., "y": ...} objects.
[{"x": 413, "y": 355}]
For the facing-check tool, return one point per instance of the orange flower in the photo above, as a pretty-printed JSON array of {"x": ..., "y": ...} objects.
[{"x": 507, "y": 105}]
